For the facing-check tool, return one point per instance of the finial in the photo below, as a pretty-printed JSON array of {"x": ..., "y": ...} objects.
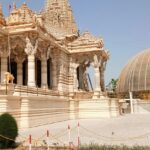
[
  {"x": 14, "y": 5},
  {"x": 1, "y": 10}
]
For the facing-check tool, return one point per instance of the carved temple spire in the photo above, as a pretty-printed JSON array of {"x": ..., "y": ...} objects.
[
  {"x": 14, "y": 6},
  {"x": 2, "y": 19},
  {"x": 59, "y": 15}
]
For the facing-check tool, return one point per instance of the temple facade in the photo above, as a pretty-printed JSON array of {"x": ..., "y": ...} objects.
[{"x": 48, "y": 59}]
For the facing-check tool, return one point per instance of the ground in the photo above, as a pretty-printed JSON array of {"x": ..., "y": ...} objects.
[{"x": 129, "y": 130}]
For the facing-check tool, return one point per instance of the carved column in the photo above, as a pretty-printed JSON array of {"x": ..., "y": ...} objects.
[
  {"x": 30, "y": 51},
  {"x": 4, "y": 61},
  {"x": 96, "y": 64},
  {"x": 3, "y": 67},
  {"x": 31, "y": 70},
  {"x": 19, "y": 73},
  {"x": 102, "y": 80},
  {"x": 76, "y": 82},
  {"x": 97, "y": 79},
  {"x": 20, "y": 59},
  {"x": 60, "y": 77},
  {"x": 44, "y": 71},
  {"x": 54, "y": 74}
]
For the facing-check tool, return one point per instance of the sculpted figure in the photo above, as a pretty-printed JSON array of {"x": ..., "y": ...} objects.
[
  {"x": 48, "y": 52},
  {"x": 96, "y": 62},
  {"x": 30, "y": 49}
]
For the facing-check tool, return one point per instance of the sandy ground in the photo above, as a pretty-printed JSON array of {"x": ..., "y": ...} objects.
[{"x": 128, "y": 130}]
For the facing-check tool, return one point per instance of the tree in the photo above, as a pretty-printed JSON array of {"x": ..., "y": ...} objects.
[
  {"x": 112, "y": 85},
  {"x": 8, "y": 131}
]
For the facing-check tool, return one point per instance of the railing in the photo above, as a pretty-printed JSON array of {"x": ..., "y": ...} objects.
[
  {"x": 20, "y": 90},
  {"x": 83, "y": 95}
]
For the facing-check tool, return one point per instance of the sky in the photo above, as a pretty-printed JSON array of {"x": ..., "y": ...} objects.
[{"x": 123, "y": 24}]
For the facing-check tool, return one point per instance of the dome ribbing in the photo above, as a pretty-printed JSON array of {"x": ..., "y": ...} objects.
[{"x": 136, "y": 74}]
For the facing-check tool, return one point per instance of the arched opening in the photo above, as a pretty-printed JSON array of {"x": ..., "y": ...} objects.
[
  {"x": 25, "y": 72},
  {"x": 49, "y": 73},
  {"x": 90, "y": 75},
  {"x": 38, "y": 72}
]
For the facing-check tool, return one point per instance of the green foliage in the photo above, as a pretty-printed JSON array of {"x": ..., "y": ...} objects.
[
  {"x": 9, "y": 129},
  {"x": 108, "y": 147},
  {"x": 112, "y": 85}
]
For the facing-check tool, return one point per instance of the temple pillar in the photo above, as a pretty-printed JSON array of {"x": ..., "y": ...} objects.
[
  {"x": 4, "y": 62},
  {"x": 81, "y": 77},
  {"x": 60, "y": 78},
  {"x": 44, "y": 72},
  {"x": 30, "y": 51},
  {"x": 54, "y": 75},
  {"x": 97, "y": 79},
  {"x": 31, "y": 70},
  {"x": 20, "y": 59},
  {"x": 76, "y": 82},
  {"x": 19, "y": 73},
  {"x": 102, "y": 80},
  {"x": 97, "y": 90},
  {"x": 97, "y": 62}
]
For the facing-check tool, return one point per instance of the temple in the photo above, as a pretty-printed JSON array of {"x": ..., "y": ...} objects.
[{"x": 48, "y": 59}]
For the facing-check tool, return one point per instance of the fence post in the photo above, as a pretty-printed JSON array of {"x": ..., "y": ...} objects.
[
  {"x": 30, "y": 142},
  {"x": 78, "y": 134},
  {"x": 69, "y": 138},
  {"x": 6, "y": 87},
  {"x": 47, "y": 139}
]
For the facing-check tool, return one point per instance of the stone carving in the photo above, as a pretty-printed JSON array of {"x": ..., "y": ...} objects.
[
  {"x": 59, "y": 15},
  {"x": 22, "y": 15},
  {"x": 96, "y": 62},
  {"x": 88, "y": 39},
  {"x": 9, "y": 78},
  {"x": 30, "y": 49},
  {"x": 4, "y": 51},
  {"x": 49, "y": 52}
]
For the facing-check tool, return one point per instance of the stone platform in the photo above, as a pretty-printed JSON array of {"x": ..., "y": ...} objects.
[{"x": 33, "y": 110}]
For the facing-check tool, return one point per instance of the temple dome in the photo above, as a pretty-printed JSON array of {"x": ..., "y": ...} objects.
[{"x": 135, "y": 76}]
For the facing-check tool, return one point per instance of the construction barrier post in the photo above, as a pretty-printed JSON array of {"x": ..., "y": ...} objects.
[
  {"x": 30, "y": 142},
  {"x": 69, "y": 138},
  {"x": 47, "y": 139},
  {"x": 78, "y": 134}
]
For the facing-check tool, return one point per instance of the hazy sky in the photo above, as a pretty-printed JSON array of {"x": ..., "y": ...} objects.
[{"x": 123, "y": 24}]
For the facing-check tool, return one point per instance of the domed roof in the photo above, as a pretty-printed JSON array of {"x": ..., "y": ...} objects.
[{"x": 136, "y": 74}]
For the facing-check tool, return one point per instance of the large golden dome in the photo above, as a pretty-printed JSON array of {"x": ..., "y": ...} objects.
[{"x": 135, "y": 76}]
